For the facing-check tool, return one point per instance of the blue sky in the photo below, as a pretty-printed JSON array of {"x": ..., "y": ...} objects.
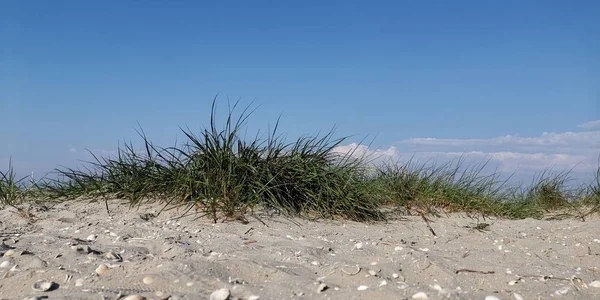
[{"x": 515, "y": 81}]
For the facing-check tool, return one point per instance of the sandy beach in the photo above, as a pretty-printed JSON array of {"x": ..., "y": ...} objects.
[{"x": 85, "y": 253}]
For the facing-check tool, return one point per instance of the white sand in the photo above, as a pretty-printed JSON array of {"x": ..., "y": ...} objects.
[{"x": 190, "y": 258}]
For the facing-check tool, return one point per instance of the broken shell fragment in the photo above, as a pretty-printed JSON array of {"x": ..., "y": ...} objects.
[
  {"x": 221, "y": 294},
  {"x": 420, "y": 296},
  {"x": 148, "y": 280},
  {"x": 101, "y": 269},
  {"x": 135, "y": 297},
  {"x": 9, "y": 253},
  {"x": 322, "y": 287},
  {"x": 112, "y": 256},
  {"x": 4, "y": 264},
  {"x": 43, "y": 286}
]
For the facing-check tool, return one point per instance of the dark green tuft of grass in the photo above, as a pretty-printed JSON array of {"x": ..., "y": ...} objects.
[{"x": 221, "y": 174}]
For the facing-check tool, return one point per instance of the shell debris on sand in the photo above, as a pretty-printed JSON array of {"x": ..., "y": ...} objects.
[
  {"x": 220, "y": 294},
  {"x": 5, "y": 264},
  {"x": 322, "y": 287},
  {"x": 420, "y": 296},
  {"x": 148, "y": 280},
  {"x": 134, "y": 297},
  {"x": 44, "y": 286},
  {"x": 9, "y": 253},
  {"x": 101, "y": 269}
]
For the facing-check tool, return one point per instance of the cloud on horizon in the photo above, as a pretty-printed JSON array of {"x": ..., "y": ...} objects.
[
  {"x": 590, "y": 125},
  {"x": 578, "y": 152}
]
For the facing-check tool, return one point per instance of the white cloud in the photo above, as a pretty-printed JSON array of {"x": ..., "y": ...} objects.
[
  {"x": 590, "y": 125},
  {"x": 570, "y": 139},
  {"x": 568, "y": 151}
]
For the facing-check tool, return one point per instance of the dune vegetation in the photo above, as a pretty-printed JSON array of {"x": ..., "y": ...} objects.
[{"x": 220, "y": 174}]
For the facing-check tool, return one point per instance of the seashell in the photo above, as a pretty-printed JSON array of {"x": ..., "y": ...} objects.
[
  {"x": 491, "y": 298},
  {"x": 4, "y": 264},
  {"x": 112, "y": 256},
  {"x": 382, "y": 283},
  {"x": 402, "y": 285},
  {"x": 358, "y": 246},
  {"x": 101, "y": 269},
  {"x": 9, "y": 253},
  {"x": 322, "y": 287},
  {"x": 134, "y": 297},
  {"x": 420, "y": 296},
  {"x": 562, "y": 291},
  {"x": 578, "y": 282},
  {"x": 518, "y": 297},
  {"x": 44, "y": 286},
  {"x": 372, "y": 272},
  {"x": 221, "y": 294},
  {"x": 362, "y": 287},
  {"x": 148, "y": 280},
  {"x": 91, "y": 237},
  {"x": 79, "y": 282},
  {"x": 595, "y": 283},
  {"x": 395, "y": 275},
  {"x": 253, "y": 297},
  {"x": 398, "y": 248},
  {"x": 236, "y": 281}
]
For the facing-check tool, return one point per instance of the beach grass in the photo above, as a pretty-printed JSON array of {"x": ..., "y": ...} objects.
[{"x": 219, "y": 173}]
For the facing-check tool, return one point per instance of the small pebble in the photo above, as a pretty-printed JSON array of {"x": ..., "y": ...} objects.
[
  {"x": 395, "y": 275},
  {"x": 420, "y": 296}
]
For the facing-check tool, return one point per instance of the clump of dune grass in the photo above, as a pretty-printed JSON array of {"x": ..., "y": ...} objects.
[
  {"x": 11, "y": 187},
  {"x": 549, "y": 191},
  {"x": 14, "y": 192},
  {"x": 451, "y": 187},
  {"x": 219, "y": 173}
]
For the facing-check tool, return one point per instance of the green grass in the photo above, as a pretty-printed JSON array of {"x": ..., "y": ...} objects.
[
  {"x": 11, "y": 188},
  {"x": 219, "y": 173}
]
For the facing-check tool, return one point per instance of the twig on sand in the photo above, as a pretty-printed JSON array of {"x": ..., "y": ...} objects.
[
  {"x": 427, "y": 222},
  {"x": 474, "y": 271},
  {"x": 351, "y": 274}
]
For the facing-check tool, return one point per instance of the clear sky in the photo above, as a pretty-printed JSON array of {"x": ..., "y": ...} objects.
[{"x": 515, "y": 81}]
